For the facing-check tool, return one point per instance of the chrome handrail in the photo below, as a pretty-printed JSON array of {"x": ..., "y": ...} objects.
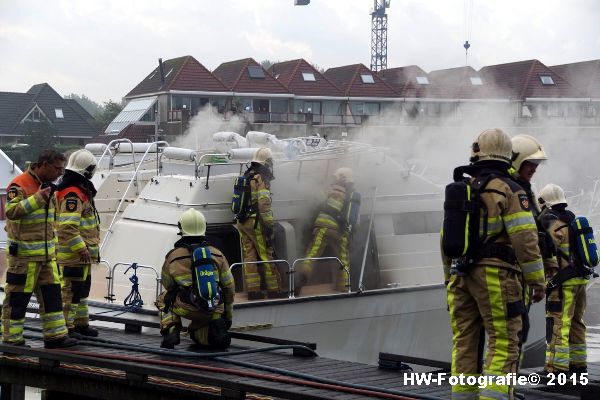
[
  {"x": 290, "y": 272},
  {"x": 107, "y": 265},
  {"x": 109, "y": 230},
  {"x": 361, "y": 285},
  {"x": 111, "y": 278},
  {"x": 342, "y": 266}
]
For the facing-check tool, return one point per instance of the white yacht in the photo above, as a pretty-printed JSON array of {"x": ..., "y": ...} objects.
[{"x": 395, "y": 301}]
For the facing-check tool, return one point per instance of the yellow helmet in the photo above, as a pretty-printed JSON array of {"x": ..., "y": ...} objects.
[
  {"x": 492, "y": 144},
  {"x": 192, "y": 223},
  {"x": 527, "y": 148},
  {"x": 82, "y": 162},
  {"x": 344, "y": 175},
  {"x": 551, "y": 195}
]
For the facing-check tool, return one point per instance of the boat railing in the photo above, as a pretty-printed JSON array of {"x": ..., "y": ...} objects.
[
  {"x": 302, "y": 260},
  {"x": 284, "y": 262},
  {"x": 108, "y": 277},
  {"x": 361, "y": 285},
  {"x": 111, "y": 278},
  {"x": 133, "y": 178},
  {"x": 200, "y": 165}
]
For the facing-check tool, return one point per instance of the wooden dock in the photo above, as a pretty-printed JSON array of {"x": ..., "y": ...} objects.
[{"x": 95, "y": 370}]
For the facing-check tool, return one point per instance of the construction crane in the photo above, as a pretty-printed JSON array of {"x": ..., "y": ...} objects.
[{"x": 379, "y": 35}]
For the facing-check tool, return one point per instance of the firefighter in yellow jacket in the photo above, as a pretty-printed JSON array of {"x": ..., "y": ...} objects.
[
  {"x": 31, "y": 259},
  {"x": 256, "y": 230},
  {"x": 565, "y": 304},
  {"x": 198, "y": 286},
  {"x": 331, "y": 230},
  {"x": 485, "y": 289},
  {"x": 78, "y": 231}
]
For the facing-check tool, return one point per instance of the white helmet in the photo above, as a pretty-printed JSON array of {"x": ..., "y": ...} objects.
[
  {"x": 82, "y": 162},
  {"x": 527, "y": 148},
  {"x": 264, "y": 156},
  {"x": 492, "y": 144},
  {"x": 192, "y": 223},
  {"x": 344, "y": 175},
  {"x": 551, "y": 195}
]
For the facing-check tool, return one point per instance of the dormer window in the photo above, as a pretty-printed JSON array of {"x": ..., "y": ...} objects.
[
  {"x": 367, "y": 78},
  {"x": 308, "y": 77},
  {"x": 59, "y": 113},
  {"x": 256, "y": 72},
  {"x": 35, "y": 115},
  {"x": 422, "y": 80},
  {"x": 546, "y": 80},
  {"x": 475, "y": 80}
]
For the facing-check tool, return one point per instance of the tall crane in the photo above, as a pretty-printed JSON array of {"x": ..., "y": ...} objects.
[{"x": 379, "y": 35}]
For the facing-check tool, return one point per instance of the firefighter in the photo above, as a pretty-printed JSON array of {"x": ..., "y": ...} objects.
[
  {"x": 256, "y": 230},
  {"x": 528, "y": 154},
  {"x": 210, "y": 318},
  {"x": 565, "y": 304},
  {"x": 78, "y": 231},
  {"x": 485, "y": 289},
  {"x": 31, "y": 259},
  {"x": 331, "y": 229}
]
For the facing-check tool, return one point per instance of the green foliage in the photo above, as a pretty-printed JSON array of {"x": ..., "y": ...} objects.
[
  {"x": 109, "y": 112},
  {"x": 39, "y": 136},
  {"x": 88, "y": 104},
  {"x": 266, "y": 64}
]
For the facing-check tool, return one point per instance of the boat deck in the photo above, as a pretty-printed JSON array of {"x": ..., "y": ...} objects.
[{"x": 119, "y": 366}]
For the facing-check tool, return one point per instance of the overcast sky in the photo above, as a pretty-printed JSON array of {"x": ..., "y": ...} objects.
[{"x": 103, "y": 48}]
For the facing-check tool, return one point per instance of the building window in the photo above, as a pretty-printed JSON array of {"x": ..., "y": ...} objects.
[
  {"x": 59, "y": 113},
  {"x": 475, "y": 80},
  {"x": 35, "y": 115},
  {"x": 256, "y": 72},
  {"x": 367, "y": 78},
  {"x": 308, "y": 77},
  {"x": 422, "y": 80},
  {"x": 546, "y": 80}
]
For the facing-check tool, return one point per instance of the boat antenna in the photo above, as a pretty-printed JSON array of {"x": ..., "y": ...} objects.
[{"x": 468, "y": 25}]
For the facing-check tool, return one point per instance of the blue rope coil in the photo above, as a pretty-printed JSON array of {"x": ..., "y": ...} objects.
[{"x": 133, "y": 301}]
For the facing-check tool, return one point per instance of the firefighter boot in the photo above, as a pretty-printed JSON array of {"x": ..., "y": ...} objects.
[
  {"x": 60, "y": 343},
  {"x": 86, "y": 331},
  {"x": 170, "y": 337}
]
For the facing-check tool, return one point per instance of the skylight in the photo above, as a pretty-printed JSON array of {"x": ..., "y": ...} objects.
[
  {"x": 475, "y": 80},
  {"x": 308, "y": 76},
  {"x": 59, "y": 113},
  {"x": 256, "y": 72},
  {"x": 546, "y": 80},
  {"x": 367, "y": 78},
  {"x": 422, "y": 80},
  {"x": 169, "y": 73},
  {"x": 152, "y": 75}
]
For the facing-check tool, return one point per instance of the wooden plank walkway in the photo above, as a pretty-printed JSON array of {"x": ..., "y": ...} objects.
[{"x": 257, "y": 379}]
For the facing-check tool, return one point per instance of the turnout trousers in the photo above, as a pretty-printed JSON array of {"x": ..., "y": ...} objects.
[
  {"x": 256, "y": 248},
  {"x": 77, "y": 282},
  {"x": 488, "y": 299},
  {"x": 200, "y": 321},
  {"x": 565, "y": 330},
  {"x": 323, "y": 238},
  {"x": 22, "y": 279}
]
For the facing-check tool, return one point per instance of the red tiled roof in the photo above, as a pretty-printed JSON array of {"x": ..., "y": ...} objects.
[
  {"x": 289, "y": 73},
  {"x": 235, "y": 76},
  {"x": 456, "y": 83},
  {"x": 404, "y": 81},
  {"x": 521, "y": 80},
  {"x": 585, "y": 76},
  {"x": 184, "y": 73},
  {"x": 348, "y": 79}
]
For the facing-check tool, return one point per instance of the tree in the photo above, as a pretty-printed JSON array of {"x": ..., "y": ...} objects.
[
  {"x": 266, "y": 64},
  {"x": 88, "y": 104},
  {"x": 109, "y": 111},
  {"x": 39, "y": 136}
]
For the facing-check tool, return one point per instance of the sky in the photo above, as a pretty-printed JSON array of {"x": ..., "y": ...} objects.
[{"x": 103, "y": 48}]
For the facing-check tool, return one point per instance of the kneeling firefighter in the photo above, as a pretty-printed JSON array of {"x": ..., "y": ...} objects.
[
  {"x": 566, "y": 291},
  {"x": 489, "y": 245},
  {"x": 198, "y": 286}
]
